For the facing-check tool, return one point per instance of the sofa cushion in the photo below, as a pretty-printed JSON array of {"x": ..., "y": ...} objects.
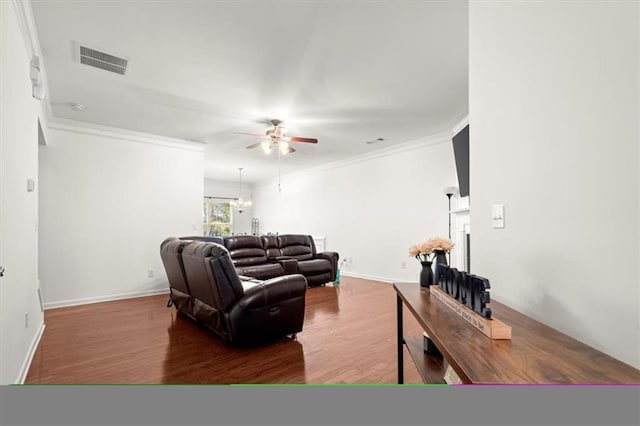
[
  {"x": 242, "y": 241},
  {"x": 248, "y": 256},
  {"x": 195, "y": 257},
  {"x": 226, "y": 280},
  {"x": 296, "y": 245},
  {"x": 245, "y": 250},
  {"x": 262, "y": 272},
  {"x": 270, "y": 243},
  {"x": 314, "y": 266}
]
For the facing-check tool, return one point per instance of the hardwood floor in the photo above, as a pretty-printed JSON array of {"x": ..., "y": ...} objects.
[{"x": 349, "y": 336}]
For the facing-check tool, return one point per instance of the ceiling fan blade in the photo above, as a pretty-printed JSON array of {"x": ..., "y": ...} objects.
[
  {"x": 247, "y": 134},
  {"x": 253, "y": 145},
  {"x": 307, "y": 140},
  {"x": 291, "y": 150}
]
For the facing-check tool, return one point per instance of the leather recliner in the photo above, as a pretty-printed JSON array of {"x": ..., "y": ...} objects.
[
  {"x": 208, "y": 238},
  {"x": 272, "y": 256},
  {"x": 250, "y": 259},
  {"x": 171, "y": 255},
  {"x": 269, "y": 309},
  {"x": 318, "y": 268}
]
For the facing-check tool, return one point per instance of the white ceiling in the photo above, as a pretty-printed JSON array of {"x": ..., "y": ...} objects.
[{"x": 343, "y": 72}]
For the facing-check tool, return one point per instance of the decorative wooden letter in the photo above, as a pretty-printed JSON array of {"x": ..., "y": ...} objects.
[
  {"x": 481, "y": 297},
  {"x": 453, "y": 288},
  {"x": 468, "y": 296}
]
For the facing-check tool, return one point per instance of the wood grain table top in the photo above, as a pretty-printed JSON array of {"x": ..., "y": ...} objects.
[{"x": 536, "y": 352}]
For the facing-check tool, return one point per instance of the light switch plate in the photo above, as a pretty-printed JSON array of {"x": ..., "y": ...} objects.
[
  {"x": 497, "y": 215},
  {"x": 31, "y": 185}
]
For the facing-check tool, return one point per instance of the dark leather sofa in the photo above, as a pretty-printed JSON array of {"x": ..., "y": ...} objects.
[
  {"x": 205, "y": 286},
  {"x": 250, "y": 258},
  {"x": 318, "y": 268},
  {"x": 272, "y": 256}
]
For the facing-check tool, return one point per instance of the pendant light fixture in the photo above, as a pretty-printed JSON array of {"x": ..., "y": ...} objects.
[{"x": 238, "y": 203}]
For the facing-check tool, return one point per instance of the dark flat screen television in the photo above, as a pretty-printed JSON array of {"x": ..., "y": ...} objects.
[{"x": 461, "y": 154}]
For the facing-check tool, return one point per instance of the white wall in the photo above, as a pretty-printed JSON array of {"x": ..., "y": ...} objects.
[
  {"x": 108, "y": 200},
  {"x": 216, "y": 188},
  {"x": 18, "y": 208},
  {"x": 554, "y": 136},
  {"x": 371, "y": 209}
]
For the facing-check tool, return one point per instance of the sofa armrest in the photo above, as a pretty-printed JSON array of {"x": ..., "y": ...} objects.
[
  {"x": 279, "y": 258},
  {"x": 272, "y": 308},
  {"x": 273, "y": 291},
  {"x": 333, "y": 258},
  {"x": 289, "y": 264},
  {"x": 248, "y": 278}
]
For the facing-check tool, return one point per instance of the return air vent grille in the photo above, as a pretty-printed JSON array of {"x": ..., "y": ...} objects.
[{"x": 102, "y": 60}]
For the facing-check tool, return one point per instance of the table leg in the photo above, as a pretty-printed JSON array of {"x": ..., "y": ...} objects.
[{"x": 400, "y": 342}]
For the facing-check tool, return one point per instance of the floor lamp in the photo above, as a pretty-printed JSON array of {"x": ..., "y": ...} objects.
[{"x": 449, "y": 191}]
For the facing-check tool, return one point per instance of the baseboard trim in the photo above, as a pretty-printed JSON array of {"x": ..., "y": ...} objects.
[
  {"x": 109, "y": 298},
  {"x": 367, "y": 277},
  {"x": 26, "y": 364}
]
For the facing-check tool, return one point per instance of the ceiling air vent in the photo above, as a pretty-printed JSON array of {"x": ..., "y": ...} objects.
[{"x": 102, "y": 60}]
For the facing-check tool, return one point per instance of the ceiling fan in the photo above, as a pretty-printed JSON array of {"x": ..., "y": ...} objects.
[{"x": 275, "y": 137}]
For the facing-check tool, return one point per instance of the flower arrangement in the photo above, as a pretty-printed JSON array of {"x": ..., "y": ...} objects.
[{"x": 427, "y": 250}]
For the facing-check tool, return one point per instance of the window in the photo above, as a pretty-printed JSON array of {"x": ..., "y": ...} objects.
[{"x": 217, "y": 216}]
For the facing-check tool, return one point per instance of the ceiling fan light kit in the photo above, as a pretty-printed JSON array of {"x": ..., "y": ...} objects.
[
  {"x": 266, "y": 147},
  {"x": 277, "y": 137},
  {"x": 285, "y": 148}
]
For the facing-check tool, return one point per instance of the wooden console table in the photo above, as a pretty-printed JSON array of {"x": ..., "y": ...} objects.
[{"x": 536, "y": 353}]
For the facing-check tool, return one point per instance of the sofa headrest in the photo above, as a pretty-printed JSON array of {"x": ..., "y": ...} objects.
[
  {"x": 293, "y": 240},
  {"x": 200, "y": 260},
  {"x": 167, "y": 241},
  {"x": 204, "y": 249},
  {"x": 270, "y": 243},
  {"x": 297, "y": 245},
  {"x": 207, "y": 238},
  {"x": 242, "y": 241},
  {"x": 173, "y": 245}
]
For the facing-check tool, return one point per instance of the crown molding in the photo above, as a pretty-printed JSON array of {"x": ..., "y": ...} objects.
[
  {"x": 26, "y": 23},
  {"x": 411, "y": 145},
  {"x": 27, "y": 27},
  {"x": 86, "y": 128},
  {"x": 461, "y": 125}
]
